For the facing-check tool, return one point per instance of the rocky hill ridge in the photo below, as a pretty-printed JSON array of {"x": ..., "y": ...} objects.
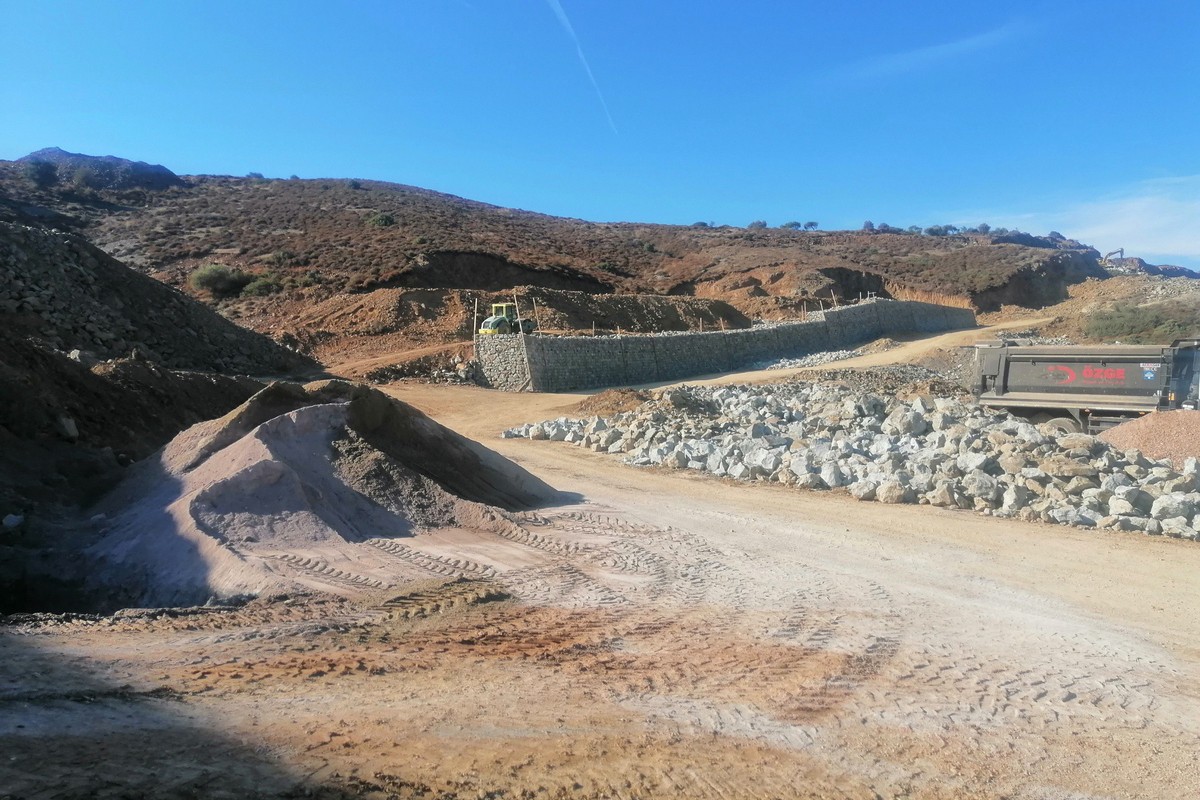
[{"x": 96, "y": 172}]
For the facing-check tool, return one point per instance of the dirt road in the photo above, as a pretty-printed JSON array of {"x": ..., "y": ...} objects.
[{"x": 654, "y": 634}]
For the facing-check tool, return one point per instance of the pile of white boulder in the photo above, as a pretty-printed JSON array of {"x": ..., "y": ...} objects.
[{"x": 941, "y": 451}]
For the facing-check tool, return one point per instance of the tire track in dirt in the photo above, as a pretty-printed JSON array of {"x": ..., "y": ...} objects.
[
  {"x": 667, "y": 555},
  {"x": 446, "y": 566},
  {"x": 517, "y": 533},
  {"x": 595, "y": 523},
  {"x": 456, "y": 594},
  {"x": 563, "y": 584},
  {"x": 318, "y": 569}
]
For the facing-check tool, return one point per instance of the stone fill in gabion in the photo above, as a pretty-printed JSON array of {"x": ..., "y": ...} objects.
[
  {"x": 942, "y": 451},
  {"x": 565, "y": 363}
]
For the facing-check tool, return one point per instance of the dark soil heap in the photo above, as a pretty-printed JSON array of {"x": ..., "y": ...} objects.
[{"x": 71, "y": 295}]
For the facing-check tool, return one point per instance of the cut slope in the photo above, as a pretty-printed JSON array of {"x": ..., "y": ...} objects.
[{"x": 398, "y": 326}]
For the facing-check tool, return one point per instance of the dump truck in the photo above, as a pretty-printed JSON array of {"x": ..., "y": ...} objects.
[
  {"x": 505, "y": 319},
  {"x": 1087, "y": 388}
]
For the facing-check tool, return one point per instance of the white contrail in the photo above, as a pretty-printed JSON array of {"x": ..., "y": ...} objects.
[
  {"x": 557, "y": 8},
  {"x": 892, "y": 64}
]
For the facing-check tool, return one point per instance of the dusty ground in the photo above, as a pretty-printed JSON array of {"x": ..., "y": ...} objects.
[{"x": 653, "y": 634}]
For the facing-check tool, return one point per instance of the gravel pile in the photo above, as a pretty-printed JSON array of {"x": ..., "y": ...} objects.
[
  {"x": 1030, "y": 337},
  {"x": 891, "y": 379},
  {"x": 1173, "y": 435},
  {"x": 813, "y": 360},
  {"x": 1176, "y": 289},
  {"x": 895, "y": 445}
]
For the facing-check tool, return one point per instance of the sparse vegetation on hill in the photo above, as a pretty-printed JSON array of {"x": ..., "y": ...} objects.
[
  {"x": 301, "y": 225},
  {"x": 1145, "y": 324},
  {"x": 53, "y": 165},
  {"x": 286, "y": 246}
]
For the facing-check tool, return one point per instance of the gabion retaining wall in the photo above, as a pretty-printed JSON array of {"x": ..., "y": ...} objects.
[{"x": 563, "y": 363}]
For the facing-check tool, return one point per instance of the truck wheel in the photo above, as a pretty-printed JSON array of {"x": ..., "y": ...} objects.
[{"x": 1063, "y": 425}]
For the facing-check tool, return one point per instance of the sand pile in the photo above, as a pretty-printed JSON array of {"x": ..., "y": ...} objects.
[
  {"x": 294, "y": 468},
  {"x": 1162, "y": 434}
]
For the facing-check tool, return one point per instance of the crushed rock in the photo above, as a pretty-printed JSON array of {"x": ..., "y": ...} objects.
[
  {"x": 1173, "y": 435},
  {"x": 812, "y": 360}
]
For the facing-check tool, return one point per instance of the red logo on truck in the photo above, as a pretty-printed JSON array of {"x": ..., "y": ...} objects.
[
  {"x": 1061, "y": 374},
  {"x": 1103, "y": 375}
]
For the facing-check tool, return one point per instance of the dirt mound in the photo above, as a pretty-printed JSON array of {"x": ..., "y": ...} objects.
[
  {"x": 72, "y": 295},
  {"x": 65, "y": 425},
  {"x": 641, "y": 313},
  {"x": 291, "y": 470},
  {"x": 1161, "y": 434},
  {"x": 66, "y": 429},
  {"x": 612, "y": 401}
]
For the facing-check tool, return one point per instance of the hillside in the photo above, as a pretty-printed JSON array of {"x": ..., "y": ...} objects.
[
  {"x": 352, "y": 272},
  {"x": 1131, "y": 309},
  {"x": 317, "y": 238}
]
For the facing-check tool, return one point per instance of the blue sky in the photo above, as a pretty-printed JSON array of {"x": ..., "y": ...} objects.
[{"x": 1081, "y": 117}]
